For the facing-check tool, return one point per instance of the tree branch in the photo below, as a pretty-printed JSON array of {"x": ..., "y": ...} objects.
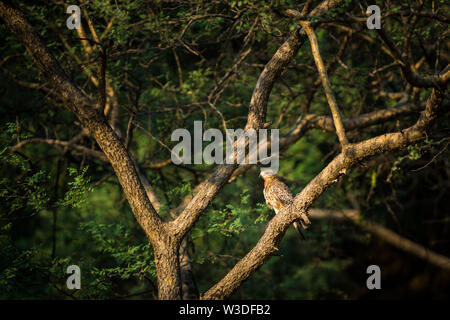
[
  {"x": 85, "y": 110},
  {"x": 437, "y": 80},
  {"x": 67, "y": 144},
  {"x": 314, "y": 121},
  {"x": 326, "y": 83},
  {"x": 353, "y": 154},
  {"x": 207, "y": 190}
]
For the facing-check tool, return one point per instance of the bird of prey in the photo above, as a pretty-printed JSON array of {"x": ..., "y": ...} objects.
[{"x": 278, "y": 196}]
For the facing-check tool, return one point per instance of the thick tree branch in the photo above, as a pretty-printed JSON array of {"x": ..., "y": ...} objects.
[
  {"x": 85, "y": 110},
  {"x": 353, "y": 154},
  {"x": 314, "y": 121},
  {"x": 189, "y": 289},
  {"x": 165, "y": 249},
  {"x": 208, "y": 189}
]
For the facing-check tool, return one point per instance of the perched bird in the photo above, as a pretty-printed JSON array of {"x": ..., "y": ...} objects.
[{"x": 278, "y": 196}]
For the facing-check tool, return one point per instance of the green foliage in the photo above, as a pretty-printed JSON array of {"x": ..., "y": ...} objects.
[
  {"x": 413, "y": 154},
  {"x": 60, "y": 206},
  {"x": 21, "y": 186},
  {"x": 75, "y": 196},
  {"x": 231, "y": 220},
  {"x": 124, "y": 260}
]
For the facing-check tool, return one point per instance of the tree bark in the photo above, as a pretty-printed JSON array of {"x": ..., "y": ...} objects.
[
  {"x": 172, "y": 262},
  {"x": 167, "y": 270},
  {"x": 165, "y": 247},
  {"x": 353, "y": 154}
]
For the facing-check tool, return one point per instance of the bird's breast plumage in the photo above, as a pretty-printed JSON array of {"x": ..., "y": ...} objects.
[{"x": 276, "y": 193}]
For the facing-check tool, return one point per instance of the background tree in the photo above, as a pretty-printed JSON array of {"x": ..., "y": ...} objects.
[{"x": 87, "y": 179}]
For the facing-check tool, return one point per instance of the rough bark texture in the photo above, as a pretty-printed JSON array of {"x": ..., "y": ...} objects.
[
  {"x": 174, "y": 270},
  {"x": 111, "y": 145},
  {"x": 353, "y": 154},
  {"x": 207, "y": 190}
]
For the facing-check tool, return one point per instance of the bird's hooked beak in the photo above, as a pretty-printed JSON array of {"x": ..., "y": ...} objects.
[{"x": 265, "y": 173}]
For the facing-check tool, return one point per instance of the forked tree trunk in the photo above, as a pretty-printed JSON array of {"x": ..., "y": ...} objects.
[{"x": 167, "y": 271}]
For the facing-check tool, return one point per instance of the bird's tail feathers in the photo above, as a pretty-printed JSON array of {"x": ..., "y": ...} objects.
[{"x": 299, "y": 228}]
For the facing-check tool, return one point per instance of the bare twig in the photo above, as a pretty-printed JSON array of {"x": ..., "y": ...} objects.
[{"x": 326, "y": 83}]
